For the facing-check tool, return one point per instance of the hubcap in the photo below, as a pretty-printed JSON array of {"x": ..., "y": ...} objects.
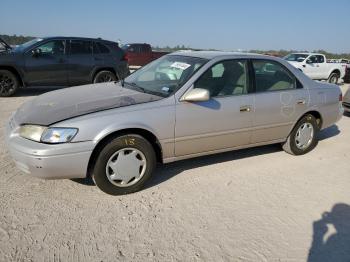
[
  {"x": 126, "y": 167},
  {"x": 304, "y": 136},
  {"x": 105, "y": 78},
  {"x": 333, "y": 79}
]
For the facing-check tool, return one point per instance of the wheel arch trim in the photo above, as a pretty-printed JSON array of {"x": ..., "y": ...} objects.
[{"x": 103, "y": 138}]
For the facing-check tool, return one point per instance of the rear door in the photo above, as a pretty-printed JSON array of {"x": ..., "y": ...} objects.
[
  {"x": 279, "y": 101},
  {"x": 46, "y": 64},
  {"x": 81, "y": 62}
]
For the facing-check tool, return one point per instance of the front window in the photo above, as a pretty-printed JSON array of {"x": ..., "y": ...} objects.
[
  {"x": 55, "y": 47},
  {"x": 226, "y": 78},
  {"x": 296, "y": 57},
  {"x": 165, "y": 75}
]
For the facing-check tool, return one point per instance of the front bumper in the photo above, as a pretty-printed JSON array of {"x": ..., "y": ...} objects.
[{"x": 69, "y": 160}]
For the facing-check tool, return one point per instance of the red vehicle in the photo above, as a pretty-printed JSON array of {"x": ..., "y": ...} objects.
[{"x": 140, "y": 54}]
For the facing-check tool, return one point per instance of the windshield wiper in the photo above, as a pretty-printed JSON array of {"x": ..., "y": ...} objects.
[
  {"x": 135, "y": 85},
  {"x": 132, "y": 84}
]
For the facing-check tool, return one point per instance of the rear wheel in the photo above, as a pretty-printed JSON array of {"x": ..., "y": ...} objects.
[
  {"x": 105, "y": 76},
  {"x": 9, "y": 83},
  {"x": 124, "y": 165},
  {"x": 333, "y": 78},
  {"x": 303, "y": 137}
]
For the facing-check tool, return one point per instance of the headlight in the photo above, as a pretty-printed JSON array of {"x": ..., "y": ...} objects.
[
  {"x": 54, "y": 135},
  {"x": 51, "y": 135},
  {"x": 31, "y": 132}
]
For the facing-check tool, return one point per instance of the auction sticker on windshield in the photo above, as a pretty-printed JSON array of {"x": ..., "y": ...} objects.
[{"x": 180, "y": 65}]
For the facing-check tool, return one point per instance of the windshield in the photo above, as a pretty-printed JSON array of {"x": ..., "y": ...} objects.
[
  {"x": 165, "y": 75},
  {"x": 2, "y": 47},
  {"x": 28, "y": 44},
  {"x": 296, "y": 57}
]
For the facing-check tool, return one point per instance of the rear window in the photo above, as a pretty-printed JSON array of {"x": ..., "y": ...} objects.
[
  {"x": 272, "y": 76},
  {"x": 80, "y": 47},
  {"x": 100, "y": 48}
]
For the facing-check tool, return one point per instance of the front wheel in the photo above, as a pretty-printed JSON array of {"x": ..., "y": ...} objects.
[
  {"x": 333, "y": 78},
  {"x": 303, "y": 137},
  {"x": 124, "y": 165},
  {"x": 9, "y": 83}
]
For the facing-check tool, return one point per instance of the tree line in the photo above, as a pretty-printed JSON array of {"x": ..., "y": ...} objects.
[{"x": 20, "y": 39}]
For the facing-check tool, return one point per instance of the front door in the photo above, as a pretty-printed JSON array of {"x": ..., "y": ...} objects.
[
  {"x": 222, "y": 122},
  {"x": 47, "y": 64},
  {"x": 311, "y": 68}
]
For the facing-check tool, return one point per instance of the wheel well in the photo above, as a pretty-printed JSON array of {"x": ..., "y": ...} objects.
[
  {"x": 105, "y": 69},
  {"x": 317, "y": 115},
  {"x": 150, "y": 137},
  {"x": 336, "y": 71},
  {"x": 15, "y": 72}
]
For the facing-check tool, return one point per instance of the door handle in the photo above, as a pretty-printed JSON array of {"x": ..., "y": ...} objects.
[
  {"x": 301, "y": 102},
  {"x": 245, "y": 109}
]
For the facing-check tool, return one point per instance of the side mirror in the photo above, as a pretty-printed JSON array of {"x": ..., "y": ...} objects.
[
  {"x": 309, "y": 61},
  {"x": 197, "y": 95},
  {"x": 36, "y": 52}
]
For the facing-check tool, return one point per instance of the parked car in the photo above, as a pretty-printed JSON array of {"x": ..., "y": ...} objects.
[
  {"x": 141, "y": 54},
  {"x": 180, "y": 106},
  {"x": 347, "y": 74},
  {"x": 316, "y": 67},
  {"x": 346, "y": 101},
  {"x": 60, "y": 61}
]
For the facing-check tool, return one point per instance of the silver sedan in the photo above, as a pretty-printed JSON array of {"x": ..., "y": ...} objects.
[
  {"x": 346, "y": 101},
  {"x": 180, "y": 106}
]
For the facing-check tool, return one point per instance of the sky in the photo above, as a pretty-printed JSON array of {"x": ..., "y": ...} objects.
[{"x": 220, "y": 24}]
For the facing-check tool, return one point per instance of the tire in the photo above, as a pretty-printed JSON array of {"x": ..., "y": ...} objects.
[
  {"x": 126, "y": 155},
  {"x": 104, "y": 76},
  {"x": 333, "y": 78},
  {"x": 9, "y": 83},
  {"x": 293, "y": 145}
]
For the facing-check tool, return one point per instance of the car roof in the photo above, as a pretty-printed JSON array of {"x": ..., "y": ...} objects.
[
  {"x": 304, "y": 53},
  {"x": 77, "y": 38},
  {"x": 215, "y": 54},
  {"x": 137, "y": 44}
]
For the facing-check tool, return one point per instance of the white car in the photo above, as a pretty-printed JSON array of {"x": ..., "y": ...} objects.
[{"x": 316, "y": 66}]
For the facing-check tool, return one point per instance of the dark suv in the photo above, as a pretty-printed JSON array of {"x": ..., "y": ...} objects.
[{"x": 60, "y": 61}]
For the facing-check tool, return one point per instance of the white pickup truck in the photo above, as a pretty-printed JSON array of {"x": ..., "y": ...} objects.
[{"x": 316, "y": 66}]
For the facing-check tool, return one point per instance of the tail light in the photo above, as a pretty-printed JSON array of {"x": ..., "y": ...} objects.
[
  {"x": 340, "y": 97},
  {"x": 125, "y": 57}
]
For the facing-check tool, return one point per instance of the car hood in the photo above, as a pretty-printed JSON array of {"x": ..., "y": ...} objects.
[{"x": 56, "y": 106}]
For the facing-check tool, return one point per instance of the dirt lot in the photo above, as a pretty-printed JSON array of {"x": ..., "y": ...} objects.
[{"x": 250, "y": 205}]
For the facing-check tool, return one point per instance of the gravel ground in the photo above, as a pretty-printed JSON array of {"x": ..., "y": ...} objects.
[{"x": 256, "y": 204}]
